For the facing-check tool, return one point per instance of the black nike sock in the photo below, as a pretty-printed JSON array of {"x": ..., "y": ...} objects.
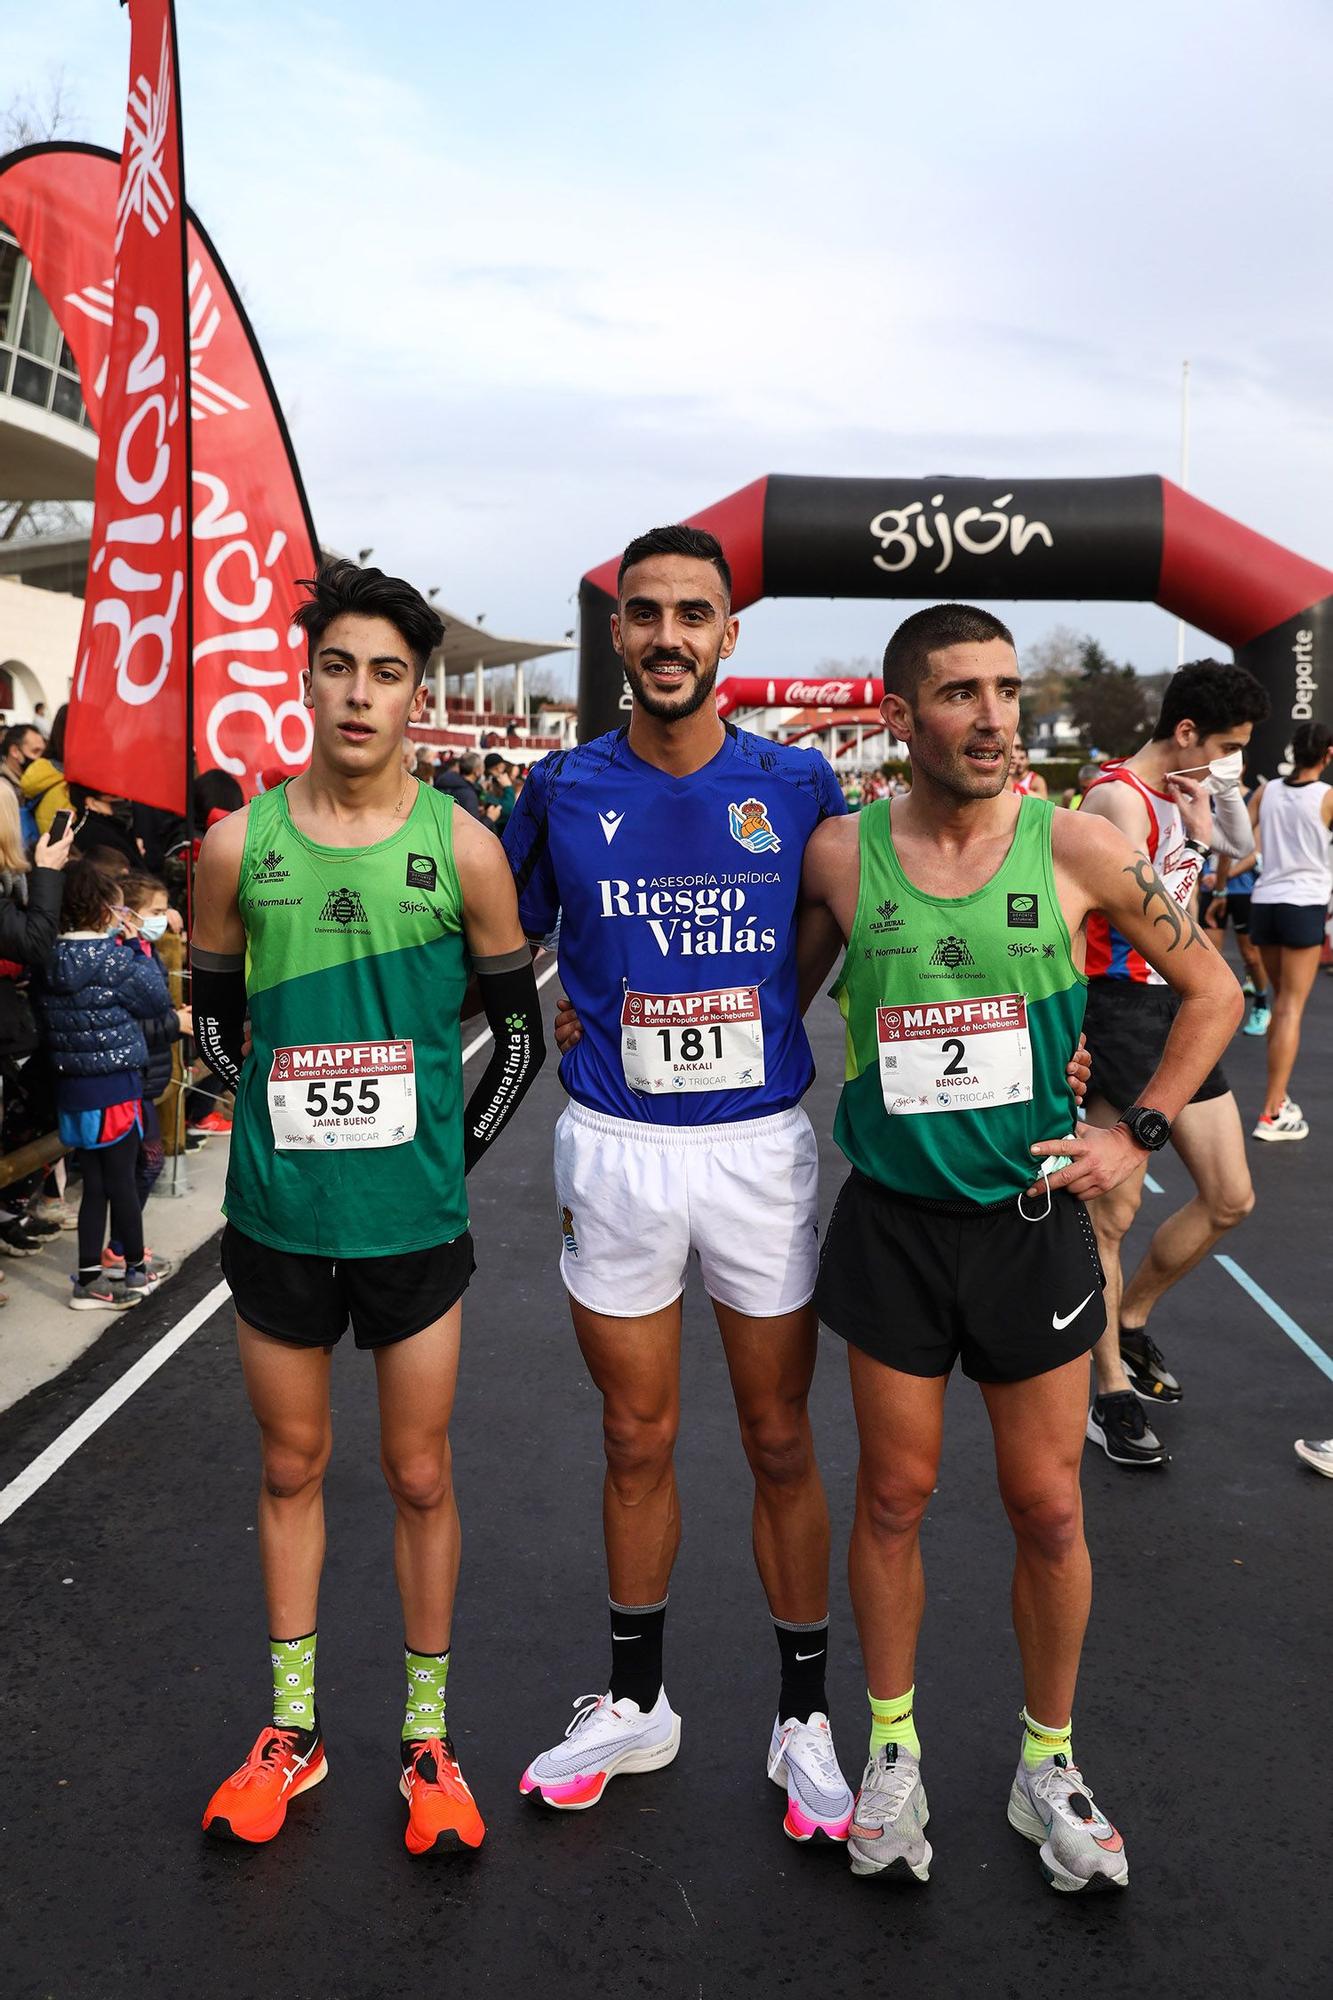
[
  {"x": 804, "y": 1650},
  {"x": 636, "y": 1651}
]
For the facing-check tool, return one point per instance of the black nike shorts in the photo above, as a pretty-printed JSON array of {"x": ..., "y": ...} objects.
[
  {"x": 310, "y": 1300},
  {"x": 1237, "y": 912},
  {"x": 1126, "y": 1026},
  {"x": 919, "y": 1285}
]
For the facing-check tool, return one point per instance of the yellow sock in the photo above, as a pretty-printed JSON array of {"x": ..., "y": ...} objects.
[
  {"x": 891, "y": 1722},
  {"x": 1041, "y": 1742}
]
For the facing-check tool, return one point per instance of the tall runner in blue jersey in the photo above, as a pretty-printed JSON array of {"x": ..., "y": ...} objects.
[{"x": 670, "y": 853}]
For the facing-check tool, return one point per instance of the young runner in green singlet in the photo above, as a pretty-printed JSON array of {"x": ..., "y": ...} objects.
[
  {"x": 346, "y": 909},
  {"x": 962, "y": 909}
]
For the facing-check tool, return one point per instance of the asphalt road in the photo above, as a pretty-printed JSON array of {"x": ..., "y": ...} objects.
[{"x": 135, "y": 1670}]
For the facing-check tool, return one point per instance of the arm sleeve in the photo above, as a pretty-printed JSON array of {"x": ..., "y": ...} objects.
[
  {"x": 27, "y": 935},
  {"x": 1233, "y": 834},
  {"x": 513, "y": 1011},
  {"x": 527, "y": 846},
  {"x": 217, "y": 990}
]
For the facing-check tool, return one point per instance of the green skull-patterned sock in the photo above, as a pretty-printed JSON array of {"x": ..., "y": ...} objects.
[
  {"x": 426, "y": 1677},
  {"x": 293, "y": 1682}
]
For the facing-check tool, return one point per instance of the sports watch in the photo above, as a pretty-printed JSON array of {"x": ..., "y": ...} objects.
[{"x": 1149, "y": 1129}]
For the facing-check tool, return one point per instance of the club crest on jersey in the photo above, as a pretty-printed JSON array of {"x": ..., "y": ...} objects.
[{"x": 750, "y": 826}]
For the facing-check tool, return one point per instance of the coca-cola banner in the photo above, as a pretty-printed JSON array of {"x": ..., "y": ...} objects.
[
  {"x": 253, "y": 536},
  {"x": 991, "y": 540},
  {"x": 746, "y": 691}
]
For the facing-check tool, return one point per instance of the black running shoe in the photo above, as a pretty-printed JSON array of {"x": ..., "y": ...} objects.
[
  {"x": 1118, "y": 1425},
  {"x": 19, "y": 1239},
  {"x": 1146, "y": 1368}
]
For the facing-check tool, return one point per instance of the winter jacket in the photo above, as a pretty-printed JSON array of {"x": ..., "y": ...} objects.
[
  {"x": 94, "y": 997},
  {"x": 160, "y": 1034},
  {"x": 460, "y": 789},
  {"x": 43, "y": 785},
  {"x": 28, "y": 933}
]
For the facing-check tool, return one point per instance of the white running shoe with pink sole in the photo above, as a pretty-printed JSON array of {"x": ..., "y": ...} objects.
[
  {"x": 605, "y": 1740},
  {"x": 801, "y": 1759}
]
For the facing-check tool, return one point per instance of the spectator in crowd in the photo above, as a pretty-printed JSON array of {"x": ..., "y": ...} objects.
[
  {"x": 43, "y": 782},
  {"x": 93, "y": 998},
  {"x": 29, "y": 922},
  {"x": 498, "y": 790},
  {"x": 460, "y": 782},
  {"x": 145, "y": 917},
  {"x": 102, "y": 828},
  {"x": 424, "y": 768},
  {"x": 20, "y": 746}
]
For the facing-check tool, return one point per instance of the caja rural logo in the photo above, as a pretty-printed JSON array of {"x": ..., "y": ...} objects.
[{"x": 749, "y": 823}]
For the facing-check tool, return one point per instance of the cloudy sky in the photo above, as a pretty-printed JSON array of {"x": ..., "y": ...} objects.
[{"x": 532, "y": 279}]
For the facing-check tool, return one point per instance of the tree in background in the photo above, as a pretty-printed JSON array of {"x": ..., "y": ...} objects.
[
  {"x": 1050, "y": 668},
  {"x": 1109, "y": 703}
]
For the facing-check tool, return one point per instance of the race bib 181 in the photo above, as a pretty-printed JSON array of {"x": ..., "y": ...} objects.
[
  {"x": 693, "y": 1041},
  {"x": 342, "y": 1094},
  {"x": 955, "y": 1055}
]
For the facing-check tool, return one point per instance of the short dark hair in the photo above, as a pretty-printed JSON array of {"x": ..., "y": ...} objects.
[
  {"x": 678, "y": 540},
  {"x": 1310, "y": 744},
  {"x": 1212, "y": 696},
  {"x": 55, "y": 742},
  {"x": 339, "y": 586},
  {"x": 15, "y": 734},
  {"x": 495, "y": 762},
  {"x": 216, "y": 791},
  {"x": 88, "y": 893},
  {"x": 907, "y": 655}
]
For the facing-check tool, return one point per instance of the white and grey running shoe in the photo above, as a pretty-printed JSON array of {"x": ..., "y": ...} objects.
[
  {"x": 1287, "y": 1122},
  {"x": 1080, "y": 1849},
  {"x": 1317, "y": 1452},
  {"x": 887, "y": 1831},
  {"x": 605, "y": 1739},
  {"x": 1116, "y": 1422},
  {"x": 801, "y": 1759}
]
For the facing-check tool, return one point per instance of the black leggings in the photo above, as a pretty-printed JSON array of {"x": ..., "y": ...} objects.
[{"x": 108, "y": 1181}]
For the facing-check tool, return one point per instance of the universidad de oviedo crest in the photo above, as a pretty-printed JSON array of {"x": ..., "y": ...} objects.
[{"x": 750, "y": 826}]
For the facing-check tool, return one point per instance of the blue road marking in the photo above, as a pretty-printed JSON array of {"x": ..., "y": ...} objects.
[{"x": 1309, "y": 1348}]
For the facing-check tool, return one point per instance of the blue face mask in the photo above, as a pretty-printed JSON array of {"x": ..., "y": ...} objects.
[{"x": 153, "y": 927}]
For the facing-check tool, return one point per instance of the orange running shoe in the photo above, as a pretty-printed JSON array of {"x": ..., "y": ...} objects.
[
  {"x": 253, "y": 1802},
  {"x": 441, "y": 1811}
]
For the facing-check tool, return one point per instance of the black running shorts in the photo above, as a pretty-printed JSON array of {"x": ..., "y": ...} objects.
[
  {"x": 309, "y": 1300},
  {"x": 1126, "y": 1027},
  {"x": 919, "y": 1285},
  {"x": 1298, "y": 926},
  {"x": 1237, "y": 911}
]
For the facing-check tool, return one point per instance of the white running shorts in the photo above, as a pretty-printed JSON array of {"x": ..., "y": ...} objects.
[{"x": 636, "y": 1199}]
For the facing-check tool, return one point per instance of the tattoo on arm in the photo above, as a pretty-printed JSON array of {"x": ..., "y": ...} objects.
[{"x": 1180, "y": 922}]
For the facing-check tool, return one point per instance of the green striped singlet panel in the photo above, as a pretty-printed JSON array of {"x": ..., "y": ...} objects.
[
  {"x": 348, "y": 1137},
  {"x": 961, "y": 1014}
]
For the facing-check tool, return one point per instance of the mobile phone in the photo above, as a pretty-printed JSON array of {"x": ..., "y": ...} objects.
[{"x": 59, "y": 827}]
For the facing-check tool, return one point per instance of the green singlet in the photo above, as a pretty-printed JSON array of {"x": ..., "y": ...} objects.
[
  {"x": 348, "y": 1135},
  {"x": 961, "y": 1013}
]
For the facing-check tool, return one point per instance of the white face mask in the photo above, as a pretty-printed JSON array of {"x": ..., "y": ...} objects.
[
  {"x": 1224, "y": 772},
  {"x": 154, "y": 926}
]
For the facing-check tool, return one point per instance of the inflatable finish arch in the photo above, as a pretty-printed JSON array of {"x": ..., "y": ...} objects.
[{"x": 980, "y": 541}]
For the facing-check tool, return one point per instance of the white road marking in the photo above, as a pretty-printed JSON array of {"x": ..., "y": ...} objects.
[{"x": 34, "y": 1476}]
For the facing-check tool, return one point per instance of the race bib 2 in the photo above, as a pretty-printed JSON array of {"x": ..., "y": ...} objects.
[{"x": 955, "y": 1055}]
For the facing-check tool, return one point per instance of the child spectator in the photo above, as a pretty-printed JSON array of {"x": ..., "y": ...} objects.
[
  {"x": 145, "y": 917},
  {"x": 94, "y": 998}
]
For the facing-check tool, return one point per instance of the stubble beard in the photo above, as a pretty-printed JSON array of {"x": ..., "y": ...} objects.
[{"x": 663, "y": 709}]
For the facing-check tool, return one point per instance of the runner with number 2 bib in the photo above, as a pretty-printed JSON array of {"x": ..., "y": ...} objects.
[
  {"x": 963, "y": 909},
  {"x": 344, "y": 907}
]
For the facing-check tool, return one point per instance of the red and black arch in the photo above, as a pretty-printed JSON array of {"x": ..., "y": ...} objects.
[{"x": 1139, "y": 539}]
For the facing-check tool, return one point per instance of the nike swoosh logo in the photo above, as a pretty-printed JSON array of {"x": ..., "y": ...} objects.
[
  {"x": 610, "y": 824},
  {"x": 1059, "y": 1322},
  {"x": 811, "y": 1656},
  {"x": 627, "y": 1635}
]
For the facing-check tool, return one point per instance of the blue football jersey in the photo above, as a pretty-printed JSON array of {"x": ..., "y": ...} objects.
[{"x": 676, "y": 899}]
